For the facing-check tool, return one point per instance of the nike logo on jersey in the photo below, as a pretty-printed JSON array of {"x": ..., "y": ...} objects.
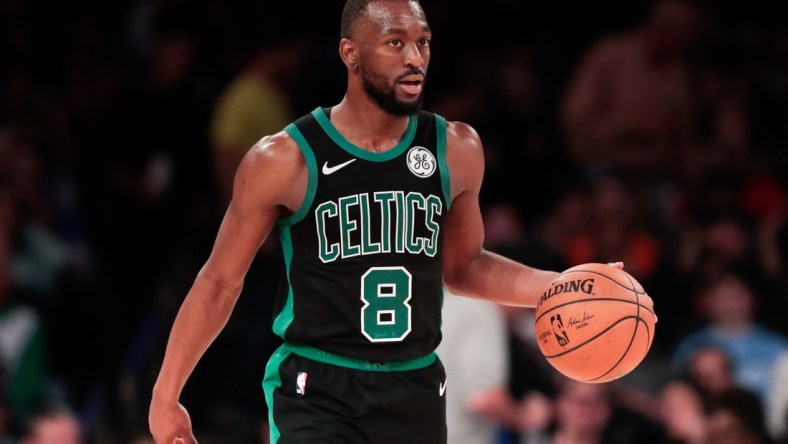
[
  {"x": 331, "y": 170},
  {"x": 442, "y": 388}
]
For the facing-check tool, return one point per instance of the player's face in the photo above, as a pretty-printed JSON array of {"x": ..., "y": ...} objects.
[{"x": 394, "y": 54}]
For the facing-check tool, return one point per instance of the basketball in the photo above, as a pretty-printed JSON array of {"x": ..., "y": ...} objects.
[{"x": 594, "y": 323}]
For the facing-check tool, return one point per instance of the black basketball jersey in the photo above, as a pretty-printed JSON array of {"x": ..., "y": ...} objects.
[{"x": 363, "y": 275}]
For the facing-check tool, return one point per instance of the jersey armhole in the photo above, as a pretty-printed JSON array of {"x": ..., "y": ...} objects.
[
  {"x": 311, "y": 166},
  {"x": 443, "y": 166}
]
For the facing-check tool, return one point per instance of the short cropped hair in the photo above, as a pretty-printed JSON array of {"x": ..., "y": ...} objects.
[{"x": 354, "y": 10}]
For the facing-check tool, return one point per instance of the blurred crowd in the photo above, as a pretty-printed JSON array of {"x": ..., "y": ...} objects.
[{"x": 653, "y": 133}]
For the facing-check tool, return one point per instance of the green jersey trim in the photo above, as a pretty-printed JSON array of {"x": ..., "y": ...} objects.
[
  {"x": 271, "y": 382},
  {"x": 325, "y": 357},
  {"x": 359, "y": 152},
  {"x": 311, "y": 166},
  {"x": 440, "y": 128},
  {"x": 286, "y": 316}
]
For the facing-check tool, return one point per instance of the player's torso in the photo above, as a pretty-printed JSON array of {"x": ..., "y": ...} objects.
[{"x": 363, "y": 253}]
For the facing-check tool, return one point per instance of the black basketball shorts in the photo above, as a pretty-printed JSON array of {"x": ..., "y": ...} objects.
[{"x": 317, "y": 397}]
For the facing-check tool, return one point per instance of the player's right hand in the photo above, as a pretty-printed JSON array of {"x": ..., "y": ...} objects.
[{"x": 170, "y": 423}]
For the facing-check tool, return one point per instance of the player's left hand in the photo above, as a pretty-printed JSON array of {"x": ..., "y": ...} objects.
[
  {"x": 170, "y": 423},
  {"x": 620, "y": 266}
]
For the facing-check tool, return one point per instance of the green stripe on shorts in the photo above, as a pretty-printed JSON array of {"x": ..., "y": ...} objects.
[{"x": 271, "y": 382}]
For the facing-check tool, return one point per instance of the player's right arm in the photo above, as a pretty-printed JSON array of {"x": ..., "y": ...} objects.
[{"x": 270, "y": 181}]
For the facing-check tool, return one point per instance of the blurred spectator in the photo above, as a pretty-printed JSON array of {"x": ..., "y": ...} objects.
[
  {"x": 151, "y": 205},
  {"x": 722, "y": 243},
  {"x": 586, "y": 414},
  {"x": 617, "y": 231},
  {"x": 473, "y": 350},
  {"x": 475, "y": 355},
  {"x": 765, "y": 200},
  {"x": 569, "y": 219},
  {"x": 22, "y": 352},
  {"x": 736, "y": 418},
  {"x": 53, "y": 425},
  {"x": 719, "y": 234},
  {"x": 710, "y": 372},
  {"x": 630, "y": 105},
  {"x": 734, "y": 221},
  {"x": 777, "y": 411},
  {"x": 505, "y": 233},
  {"x": 582, "y": 412},
  {"x": 729, "y": 304},
  {"x": 682, "y": 414},
  {"x": 685, "y": 401},
  {"x": 254, "y": 104},
  {"x": 39, "y": 257}
]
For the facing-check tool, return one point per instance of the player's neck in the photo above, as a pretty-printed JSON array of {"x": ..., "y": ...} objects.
[{"x": 366, "y": 125}]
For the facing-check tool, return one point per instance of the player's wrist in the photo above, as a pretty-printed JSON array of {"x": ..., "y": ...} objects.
[{"x": 165, "y": 395}]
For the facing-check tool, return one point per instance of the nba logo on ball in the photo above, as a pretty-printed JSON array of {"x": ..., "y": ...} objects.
[
  {"x": 594, "y": 323},
  {"x": 301, "y": 383},
  {"x": 558, "y": 330},
  {"x": 421, "y": 162}
]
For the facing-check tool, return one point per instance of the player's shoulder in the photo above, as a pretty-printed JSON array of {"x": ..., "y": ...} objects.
[
  {"x": 275, "y": 149},
  {"x": 464, "y": 155},
  {"x": 462, "y": 135},
  {"x": 276, "y": 157},
  {"x": 270, "y": 171},
  {"x": 461, "y": 131}
]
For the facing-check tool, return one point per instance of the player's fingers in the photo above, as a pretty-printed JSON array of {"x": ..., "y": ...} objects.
[
  {"x": 651, "y": 304},
  {"x": 619, "y": 265}
]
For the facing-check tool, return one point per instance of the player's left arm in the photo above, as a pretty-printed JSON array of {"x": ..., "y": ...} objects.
[{"x": 468, "y": 269}]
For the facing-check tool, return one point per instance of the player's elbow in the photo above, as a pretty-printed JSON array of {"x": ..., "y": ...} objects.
[
  {"x": 464, "y": 268},
  {"x": 455, "y": 280},
  {"x": 221, "y": 290}
]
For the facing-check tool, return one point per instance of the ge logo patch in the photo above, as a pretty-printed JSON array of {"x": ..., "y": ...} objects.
[{"x": 421, "y": 162}]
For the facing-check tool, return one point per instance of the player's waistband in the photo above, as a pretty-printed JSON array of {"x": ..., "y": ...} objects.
[{"x": 359, "y": 364}]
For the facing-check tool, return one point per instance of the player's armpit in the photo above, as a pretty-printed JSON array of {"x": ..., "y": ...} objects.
[
  {"x": 270, "y": 181},
  {"x": 463, "y": 227},
  {"x": 465, "y": 157}
]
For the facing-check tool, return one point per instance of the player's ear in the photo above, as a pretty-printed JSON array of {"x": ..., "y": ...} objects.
[{"x": 349, "y": 53}]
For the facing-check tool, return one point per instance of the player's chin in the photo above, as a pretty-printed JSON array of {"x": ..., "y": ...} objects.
[{"x": 409, "y": 101}]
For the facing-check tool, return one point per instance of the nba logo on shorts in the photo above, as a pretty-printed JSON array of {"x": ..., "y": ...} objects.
[{"x": 301, "y": 383}]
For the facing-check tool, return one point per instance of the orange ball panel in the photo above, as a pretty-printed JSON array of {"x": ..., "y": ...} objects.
[{"x": 594, "y": 323}]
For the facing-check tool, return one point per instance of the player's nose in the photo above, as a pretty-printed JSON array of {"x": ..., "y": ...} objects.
[{"x": 413, "y": 57}]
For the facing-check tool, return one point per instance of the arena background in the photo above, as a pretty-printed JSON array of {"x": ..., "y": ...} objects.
[{"x": 110, "y": 193}]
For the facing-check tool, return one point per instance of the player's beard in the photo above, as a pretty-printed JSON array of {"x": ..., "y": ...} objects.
[{"x": 385, "y": 95}]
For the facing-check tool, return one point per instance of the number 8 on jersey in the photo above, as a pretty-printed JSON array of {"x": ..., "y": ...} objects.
[{"x": 385, "y": 292}]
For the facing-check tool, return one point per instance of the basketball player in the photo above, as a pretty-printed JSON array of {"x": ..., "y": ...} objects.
[{"x": 376, "y": 203}]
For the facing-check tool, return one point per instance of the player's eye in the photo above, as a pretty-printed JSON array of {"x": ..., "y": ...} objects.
[
  {"x": 395, "y": 43},
  {"x": 424, "y": 42}
]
